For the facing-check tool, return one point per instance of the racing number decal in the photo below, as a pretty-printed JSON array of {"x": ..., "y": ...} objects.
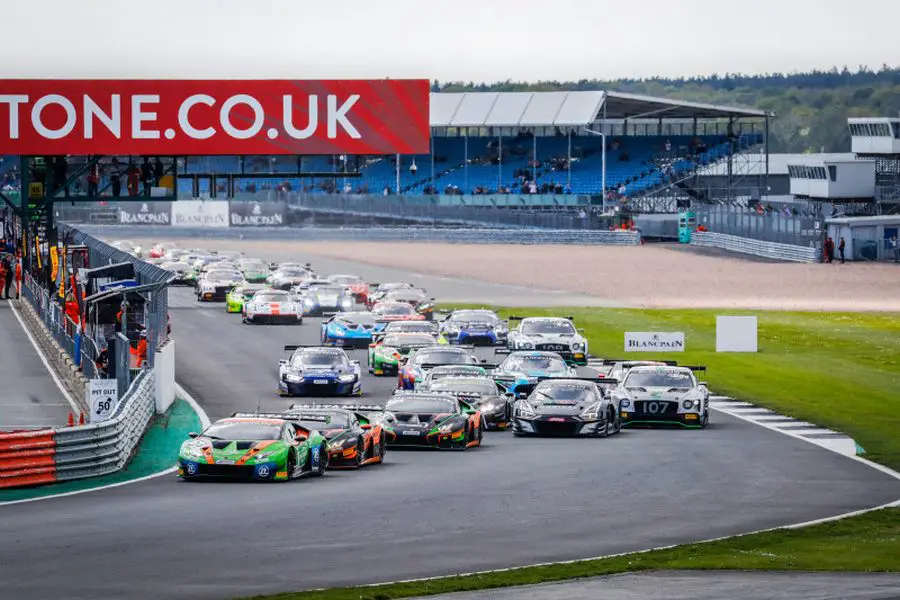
[{"x": 656, "y": 408}]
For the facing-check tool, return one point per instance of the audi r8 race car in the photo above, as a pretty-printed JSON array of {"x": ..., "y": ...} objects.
[
  {"x": 520, "y": 371},
  {"x": 354, "y": 283},
  {"x": 478, "y": 327},
  {"x": 572, "y": 407},
  {"x": 385, "y": 354},
  {"x": 431, "y": 420},
  {"x": 415, "y": 367},
  {"x": 238, "y": 296},
  {"x": 287, "y": 277},
  {"x": 254, "y": 446},
  {"x": 663, "y": 395},
  {"x": 415, "y": 297},
  {"x": 553, "y": 334},
  {"x": 349, "y": 330},
  {"x": 481, "y": 393},
  {"x": 272, "y": 306},
  {"x": 254, "y": 270},
  {"x": 377, "y": 291},
  {"x": 319, "y": 297},
  {"x": 353, "y": 440},
  {"x": 438, "y": 373},
  {"x": 317, "y": 371},
  {"x": 396, "y": 311},
  {"x": 214, "y": 285}
]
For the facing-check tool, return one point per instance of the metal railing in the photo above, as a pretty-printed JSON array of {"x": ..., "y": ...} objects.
[
  {"x": 776, "y": 251},
  {"x": 769, "y": 226}
]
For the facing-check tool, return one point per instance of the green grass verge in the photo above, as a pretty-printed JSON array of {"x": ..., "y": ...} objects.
[
  {"x": 865, "y": 543},
  {"x": 838, "y": 370},
  {"x": 157, "y": 451}
]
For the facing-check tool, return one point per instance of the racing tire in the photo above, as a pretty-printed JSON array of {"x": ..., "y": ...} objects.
[
  {"x": 360, "y": 452},
  {"x": 382, "y": 447},
  {"x": 616, "y": 420},
  {"x": 323, "y": 462},
  {"x": 705, "y": 421},
  {"x": 291, "y": 465}
]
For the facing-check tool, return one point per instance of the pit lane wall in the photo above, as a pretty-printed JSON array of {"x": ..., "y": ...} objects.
[{"x": 775, "y": 251}]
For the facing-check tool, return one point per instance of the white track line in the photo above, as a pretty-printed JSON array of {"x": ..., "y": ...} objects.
[
  {"x": 75, "y": 408},
  {"x": 184, "y": 395}
]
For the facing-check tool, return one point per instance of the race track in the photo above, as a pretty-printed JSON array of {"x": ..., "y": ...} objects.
[{"x": 510, "y": 502}]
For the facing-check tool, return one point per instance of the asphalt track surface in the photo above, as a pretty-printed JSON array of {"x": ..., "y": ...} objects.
[
  {"x": 28, "y": 396},
  {"x": 511, "y": 502}
]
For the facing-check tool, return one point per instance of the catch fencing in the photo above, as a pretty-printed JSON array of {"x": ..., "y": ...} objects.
[{"x": 775, "y": 251}]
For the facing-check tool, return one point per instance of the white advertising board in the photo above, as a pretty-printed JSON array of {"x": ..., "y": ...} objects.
[
  {"x": 736, "y": 334},
  {"x": 200, "y": 213}
]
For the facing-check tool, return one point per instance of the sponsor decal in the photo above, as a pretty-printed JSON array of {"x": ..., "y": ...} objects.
[
  {"x": 642, "y": 341},
  {"x": 200, "y": 213},
  {"x": 191, "y": 468},
  {"x": 208, "y": 117},
  {"x": 145, "y": 213},
  {"x": 256, "y": 214},
  {"x": 264, "y": 471}
]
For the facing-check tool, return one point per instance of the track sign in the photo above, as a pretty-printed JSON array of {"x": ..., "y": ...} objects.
[{"x": 103, "y": 397}]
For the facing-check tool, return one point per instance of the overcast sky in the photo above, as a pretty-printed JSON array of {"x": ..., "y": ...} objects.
[{"x": 478, "y": 40}]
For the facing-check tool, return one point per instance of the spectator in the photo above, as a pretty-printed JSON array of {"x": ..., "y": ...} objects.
[
  {"x": 668, "y": 147},
  {"x": 142, "y": 349},
  {"x": 133, "y": 175},
  {"x": 115, "y": 178},
  {"x": 157, "y": 171},
  {"x": 895, "y": 246},
  {"x": 623, "y": 189},
  {"x": 386, "y": 191},
  {"x": 841, "y": 246},
  {"x": 146, "y": 175},
  {"x": 6, "y": 275},
  {"x": 348, "y": 188},
  {"x": 829, "y": 250},
  {"x": 93, "y": 179},
  {"x": 568, "y": 188}
]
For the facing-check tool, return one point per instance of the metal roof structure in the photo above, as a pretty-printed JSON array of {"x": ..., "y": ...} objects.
[
  {"x": 565, "y": 109},
  {"x": 755, "y": 164}
]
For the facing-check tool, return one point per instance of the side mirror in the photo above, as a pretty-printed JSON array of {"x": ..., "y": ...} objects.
[
  {"x": 300, "y": 438},
  {"x": 510, "y": 395},
  {"x": 521, "y": 396},
  {"x": 193, "y": 434},
  {"x": 283, "y": 362},
  {"x": 703, "y": 383},
  {"x": 366, "y": 426},
  {"x": 580, "y": 330},
  {"x": 355, "y": 362},
  {"x": 371, "y": 345}
]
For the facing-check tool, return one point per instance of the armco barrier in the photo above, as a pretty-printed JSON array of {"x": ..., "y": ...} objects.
[{"x": 761, "y": 248}]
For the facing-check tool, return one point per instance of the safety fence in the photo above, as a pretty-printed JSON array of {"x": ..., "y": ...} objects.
[
  {"x": 65, "y": 453},
  {"x": 775, "y": 251}
]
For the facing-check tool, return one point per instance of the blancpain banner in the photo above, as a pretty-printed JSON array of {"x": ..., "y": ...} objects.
[
  {"x": 256, "y": 214},
  {"x": 145, "y": 213},
  {"x": 200, "y": 213},
  {"x": 652, "y": 341}
]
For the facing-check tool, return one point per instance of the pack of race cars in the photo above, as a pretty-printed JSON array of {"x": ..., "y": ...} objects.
[{"x": 540, "y": 378}]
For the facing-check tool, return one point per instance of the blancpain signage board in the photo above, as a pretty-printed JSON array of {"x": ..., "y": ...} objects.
[
  {"x": 654, "y": 341},
  {"x": 200, "y": 213}
]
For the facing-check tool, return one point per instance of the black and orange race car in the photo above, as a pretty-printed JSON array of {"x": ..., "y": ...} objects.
[
  {"x": 430, "y": 419},
  {"x": 353, "y": 439}
]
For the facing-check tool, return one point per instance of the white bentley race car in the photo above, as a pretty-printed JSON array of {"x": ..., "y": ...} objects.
[
  {"x": 551, "y": 334},
  {"x": 664, "y": 395}
]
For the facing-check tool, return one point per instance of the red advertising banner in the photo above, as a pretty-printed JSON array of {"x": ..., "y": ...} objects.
[{"x": 205, "y": 117}]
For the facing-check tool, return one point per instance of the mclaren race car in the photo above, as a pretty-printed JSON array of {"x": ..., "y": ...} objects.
[
  {"x": 353, "y": 440},
  {"x": 432, "y": 420},
  {"x": 317, "y": 371},
  {"x": 522, "y": 370},
  {"x": 254, "y": 270},
  {"x": 482, "y": 393},
  {"x": 415, "y": 367},
  {"x": 354, "y": 283},
  {"x": 663, "y": 395},
  {"x": 553, "y": 334},
  {"x": 272, "y": 306},
  {"x": 396, "y": 311},
  {"x": 349, "y": 330},
  {"x": 477, "y": 327},
  {"x": 214, "y": 285},
  {"x": 319, "y": 297},
  {"x": 238, "y": 296},
  {"x": 254, "y": 446},
  {"x": 385, "y": 354},
  {"x": 573, "y": 407}
]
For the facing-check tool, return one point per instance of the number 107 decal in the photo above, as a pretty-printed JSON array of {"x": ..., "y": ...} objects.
[{"x": 656, "y": 408}]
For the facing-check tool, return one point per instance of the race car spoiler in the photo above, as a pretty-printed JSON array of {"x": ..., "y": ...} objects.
[
  {"x": 427, "y": 366},
  {"x": 270, "y": 415},
  {"x": 518, "y": 318},
  {"x": 612, "y": 361},
  {"x": 291, "y": 348},
  {"x": 348, "y": 407},
  {"x": 523, "y": 391}
]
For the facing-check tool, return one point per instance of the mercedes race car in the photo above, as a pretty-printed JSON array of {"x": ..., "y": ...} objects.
[
  {"x": 353, "y": 440},
  {"x": 520, "y": 371},
  {"x": 553, "y": 334},
  {"x": 319, "y": 297},
  {"x": 396, "y": 311},
  {"x": 437, "y": 373},
  {"x": 254, "y": 270},
  {"x": 239, "y": 295},
  {"x": 431, "y": 420},
  {"x": 481, "y": 393},
  {"x": 317, "y": 371},
  {"x": 354, "y": 283},
  {"x": 478, "y": 327},
  {"x": 272, "y": 306},
  {"x": 574, "y": 407},
  {"x": 214, "y": 285},
  {"x": 385, "y": 354},
  {"x": 288, "y": 277},
  {"x": 665, "y": 395},
  {"x": 415, "y": 367},
  {"x": 415, "y": 297},
  {"x": 254, "y": 446},
  {"x": 349, "y": 330}
]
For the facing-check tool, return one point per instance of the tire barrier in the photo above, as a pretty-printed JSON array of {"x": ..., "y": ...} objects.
[{"x": 27, "y": 458}]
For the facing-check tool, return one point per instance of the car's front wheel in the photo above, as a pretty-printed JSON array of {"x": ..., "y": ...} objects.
[
  {"x": 291, "y": 465},
  {"x": 319, "y": 469}
]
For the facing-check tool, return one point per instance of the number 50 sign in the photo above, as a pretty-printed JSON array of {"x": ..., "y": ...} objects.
[{"x": 103, "y": 397}]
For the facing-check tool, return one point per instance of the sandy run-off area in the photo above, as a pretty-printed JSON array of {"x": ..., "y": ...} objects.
[{"x": 650, "y": 276}]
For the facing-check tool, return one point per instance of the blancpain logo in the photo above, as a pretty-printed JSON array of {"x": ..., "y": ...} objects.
[
  {"x": 144, "y": 217},
  {"x": 256, "y": 218},
  {"x": 637, "y": 342}
]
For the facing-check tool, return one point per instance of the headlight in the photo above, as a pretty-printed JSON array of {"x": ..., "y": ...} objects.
[
  {"x": 501, "y": 328},
  {"x": 452, "y": 328},
  {"x": 309, "y": 302},
  {"x": 335, "y": 446},
  {"x": 346, "y": 302},
  {"x": 263, "y": 456},
  {"x": 526, "y": 345},
  {"x": 577, "y": 346},
  {"x": 526, "y": 410},
  {"x": 447, "y": 428},
  {"x": 294, "y": 376},
  {"x": 592, "y": 412},
  {"x": 347, "y": 378},
  {"x": 192, "y": 451},
  {"x": 689, "y": 404},
  {"x": 625, "y": 403}
]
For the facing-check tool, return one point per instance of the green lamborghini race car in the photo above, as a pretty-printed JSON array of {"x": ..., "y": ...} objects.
[
  {"x": 238, "y": 296},
  {"x": 255, "y": 446},
  {"x": 254, "y": 270},
  {"x": 385, "y": 354}
]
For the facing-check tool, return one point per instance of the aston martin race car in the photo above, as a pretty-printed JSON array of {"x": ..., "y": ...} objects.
[
  {"x": 353, "y": 440},
  {"x": 478, "y": 327},
  {"x": 437, "y": 373},
  {"x": 553, "y": 334},
  {"x": 482, "y": 393},
  {"x": 385, "y": 354},
  {"x": 415, "y": 297},
  {"x": 574, "y": 407},
  {"x": 520, "y": 371},
  {"x": 663, "y": 395},
  {"x": 319, "y": 297},
  {"x": 238, "y": 296},
  {"x": 317, "y": 371},
  {"x": 415, "y": 367},
  {"x": 214, "y": 285},
  {"x": 377, "y": 291},
  {"x": 354, "y": 283},
  {"x": 349, "y": 330},
  {"x": 272, "y": 306},
  {"x": 287, "y": 277},
  {"x": 254, "y": 446},
  {"x": 396, "y": 311},
  {"x": 254, "y": 270},
  {"x": 431, "y": 420}
]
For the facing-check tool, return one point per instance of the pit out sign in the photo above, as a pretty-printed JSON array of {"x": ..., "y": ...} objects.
[
  {"x": 102, "y": 398},
  {"x": 207, "y": 117}
]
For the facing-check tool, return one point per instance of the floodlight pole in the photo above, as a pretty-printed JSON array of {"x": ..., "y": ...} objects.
[
  {"x": 602, "y": 134},
  {"x": 397, "y": 189}
]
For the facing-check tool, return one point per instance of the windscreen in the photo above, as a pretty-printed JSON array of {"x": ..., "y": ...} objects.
[
  {"x": 411, "y": 326},
  {"x": 665, "y": 378},
  {"x": 243, "y": 430},
  {"x": 266, "y": 297},
  {"x": 395, "y": 310},
  {"x": 443, "y": 357},
  {"x": 464, "y": 386},
  {"x": 535, "y": 362},
  {"x": 345, "y": 279},
  {"x": 326, "y": 289},
  {"x": 421, "y": 404},
  {"x": 254, "y": 265},
  {"x": 358, "y": 319},
  {"x": 564, "y": 392},
  {"x": 320, "y": 359},
  {"x": 473, "y": 316},
  {"x": 291, "y": 272},
  {"x": 408, "y": 339},
  {"x": 225, "y": 276},
  {"x": 551, "y": 327},
  {"x": 322, "y": 421}
]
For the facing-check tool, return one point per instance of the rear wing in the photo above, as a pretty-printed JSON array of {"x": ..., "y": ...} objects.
[
  {"x": 291, "y": 348},
  {"x": 502, "y": 351},
  {"x": 518, "y": 318},
  {"x": 270, "y": 415},
  {"x": 523, "y": 391},
  {"x": 695, "y": 367},
  {"x": 612, "y": 361}
]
